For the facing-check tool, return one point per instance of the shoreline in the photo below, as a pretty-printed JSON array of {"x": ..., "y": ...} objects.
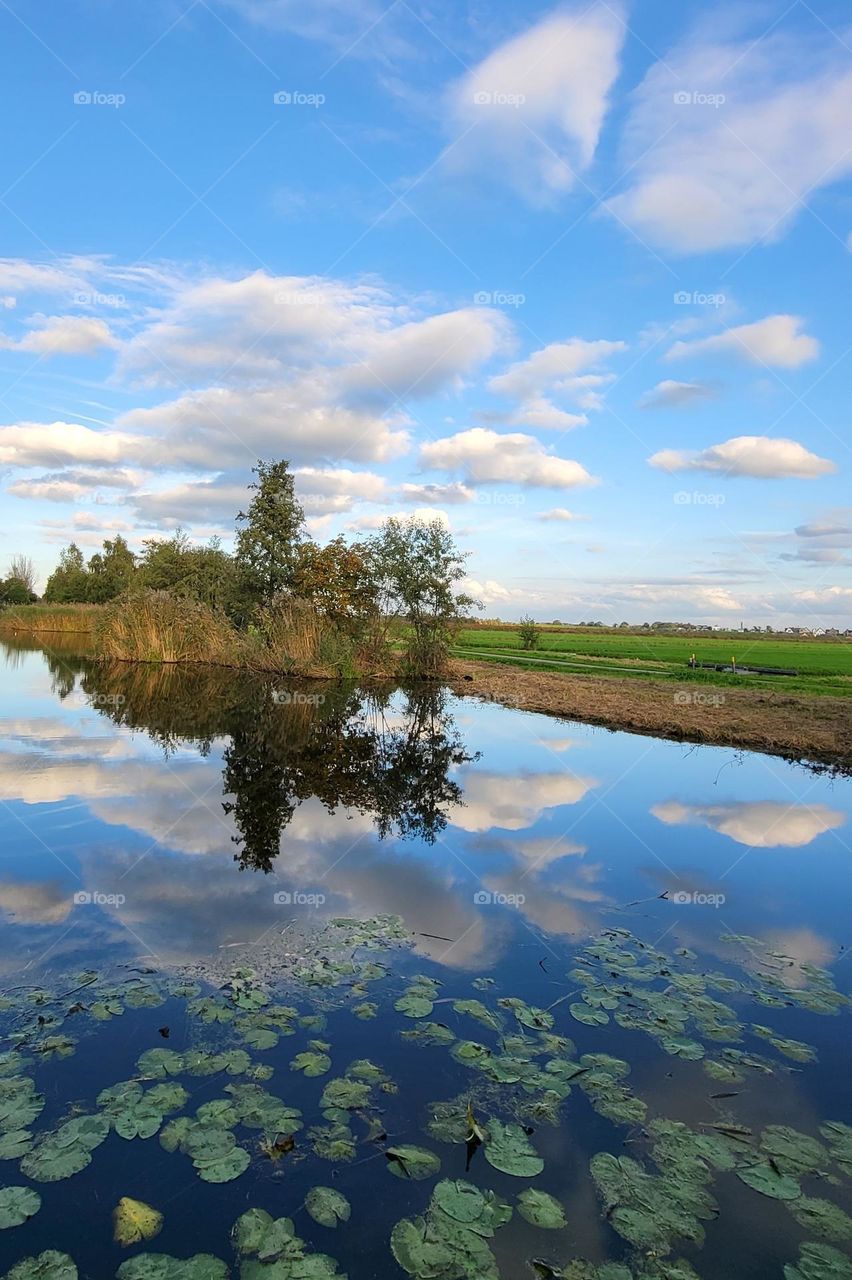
[{"x": 808, "y": 730}]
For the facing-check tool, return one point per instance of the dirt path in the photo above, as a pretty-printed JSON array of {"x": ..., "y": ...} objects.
[{"x": 798, "y": 727}]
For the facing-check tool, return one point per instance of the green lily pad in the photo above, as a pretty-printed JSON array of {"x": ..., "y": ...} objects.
[
  {"x": 591, "y": 1017},
  {"x": 66, "y": 1150},
  {"x": 311, "y": 1063},
  {"x": 365, "y": 1010},
  {"x": 541, "y": 1209},
  {"x": 17, "y": 1204},
  {"x": 327, "y": 1206},
  {"x": 509, "y": 1149},
  {"x": 769, "y": 1182},
  {"x": 409, "y": 1162},
  {"x": 414, "y": 1004},
  {"x": 819, "y": 1262},
  {"x": 49, "y": 1265},
  {"x": 345, "y": 1094},
  {"x": 822, "y": 1219},
  {"x": 159, "y": 1266}
]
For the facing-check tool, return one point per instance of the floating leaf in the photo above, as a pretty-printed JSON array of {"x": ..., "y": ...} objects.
[
  {"x": 134, "y": 1221},
  {"x": 412, "y": 1162},
  {"x": 159, "y": 1266},
  {"x": 510, "y": 1150},
  {"x": 49, "y": 1265},
  {"x": 541, "y": 1209},
  {"x": 592, "y": 1017},
  {"x": 819, "y": 1262},
  {"x": 17, "y": 1204},
  {"x": 822, "y": 1218},
  {"x": 327, "y": 1206},
  {"x": 67, "y": 1150},
  {"x": 414, "y": 1004},
  {"x": 311, "y": 1063},
  {"x": 768, "y": 1181},
  {"x": 345, "y": 1094}
]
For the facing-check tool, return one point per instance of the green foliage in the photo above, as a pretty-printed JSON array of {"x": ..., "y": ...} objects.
[
  {"x": 267, "y": 549},
  {"x": 529, "y": 633}
]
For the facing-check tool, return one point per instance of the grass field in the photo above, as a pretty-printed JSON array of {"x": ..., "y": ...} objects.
[{"x": 825, "y": 667}]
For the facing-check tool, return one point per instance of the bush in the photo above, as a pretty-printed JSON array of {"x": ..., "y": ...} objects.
[{"x": 529, "y": 633}]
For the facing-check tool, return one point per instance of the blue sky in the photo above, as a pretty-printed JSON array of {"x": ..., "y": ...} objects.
[{"x": 574, "y": 278}]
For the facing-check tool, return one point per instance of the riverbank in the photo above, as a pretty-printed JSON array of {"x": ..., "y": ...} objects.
[{"x": 795, "y": 726}]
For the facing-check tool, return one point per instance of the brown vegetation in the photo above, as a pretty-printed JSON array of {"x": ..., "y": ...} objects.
[{"x": 794, "y": 726}]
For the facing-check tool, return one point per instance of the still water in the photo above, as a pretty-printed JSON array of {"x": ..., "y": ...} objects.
[{"x": 383, "y": 901}]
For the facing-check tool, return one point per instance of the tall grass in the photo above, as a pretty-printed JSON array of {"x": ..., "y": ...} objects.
[
  {"x": 33, "y": 618},
  {"x": 153, "y": 626}
]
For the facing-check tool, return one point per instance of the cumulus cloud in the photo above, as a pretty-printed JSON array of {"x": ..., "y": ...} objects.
[
  {"x": 512, "y": 801},
  {"x": 488, "y": 457},
  {"x": 69, "y": 485},
  {"x": 824, "y": 541},
  {"x": 532, "y": 111},
  {"x": 560, "y": 515},
  {"x": 755, "y": 456},
  {"x": 62, "y": 336},
  {"x": 715, "y": 174},
  {"x": 764, "y": 824},
  {"x": 669, "y": 394},
  {"x": 776, "y": 341},
  {"x": 42, "y": 444}
]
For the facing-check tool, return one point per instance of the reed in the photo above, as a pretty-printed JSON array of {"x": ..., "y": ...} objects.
[
  {"x": 154, "y": 626},
  {"x": 34, "y": 618}
]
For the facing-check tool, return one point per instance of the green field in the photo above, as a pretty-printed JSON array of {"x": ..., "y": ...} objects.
[{"x": 825, "y": 667}]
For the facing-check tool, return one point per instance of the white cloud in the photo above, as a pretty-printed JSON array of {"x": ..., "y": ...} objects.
[
  {"x": 489, "y": 591},
  {"x": 560, "y": 515},
  {"x": 543, "y": 415},
  {"x": 42, "y": 444},
  {"x": 453, "y": 493},
  {"x": 531, "y": 112},
  {"x": 710, "y": 175},
  {"x": 514, "y": 801},
  {"x": 669, "y": 394},
  {"x": 755, "y": 456},
  {"x": 555, "y": 366},
  {"x": 489, "y": 457},
  {"x": 62, "y": 336},
  {"x": 776, "y": 341},
  {"x": 429, "y": 514},
  {"x": 764, "y": 824}
]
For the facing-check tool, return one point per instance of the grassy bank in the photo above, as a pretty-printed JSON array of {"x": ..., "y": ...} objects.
[
  {"x": 824, "y": 667},
  {"x": 770, "y": 719},
  {"x": 33, "y": 619}
]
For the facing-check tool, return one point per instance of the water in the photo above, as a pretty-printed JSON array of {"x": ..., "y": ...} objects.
[{"x": 195, "y": 823}]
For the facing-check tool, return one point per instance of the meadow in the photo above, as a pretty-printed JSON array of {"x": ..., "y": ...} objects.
[{"x": 824, "y": 666}]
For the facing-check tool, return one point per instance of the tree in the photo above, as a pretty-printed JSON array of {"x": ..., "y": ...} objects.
[
  {"x": 15, "y": 591},
  {"x": 268, "y": 545},
  {"x": 110, "y": 571},
  {"x": 22, "y": 569},
  {"x": 69, "y": 581},
  {"x": 416, "y": 567},
  {"x": 529, "y": 632},
  {"x": 336, "y": 579}
]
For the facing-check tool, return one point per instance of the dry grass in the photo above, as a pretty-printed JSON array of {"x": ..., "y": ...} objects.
[
  {"x": 35, "y": 618},
  {"x": 157, "y": 627}
]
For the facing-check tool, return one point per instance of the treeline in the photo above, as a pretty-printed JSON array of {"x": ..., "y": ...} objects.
[{"x": 294, "y": 604}]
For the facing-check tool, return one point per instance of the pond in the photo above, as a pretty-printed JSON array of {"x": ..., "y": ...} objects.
[{"x": 303, "y": 982}]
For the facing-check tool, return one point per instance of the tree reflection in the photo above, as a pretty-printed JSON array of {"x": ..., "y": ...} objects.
[{"x": 386, "y": 752}]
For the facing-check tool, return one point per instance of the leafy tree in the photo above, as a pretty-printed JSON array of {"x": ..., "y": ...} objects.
[
  {"x": 69, "y": 581},
  {"x": 337, "y": 580},
  {"x": 529, "y": 632},
  {"x": 15, "y": 591},
  {"x": 416, "y": 567},
  {"x": 267, "y": 550},
  {"x": 110, "y": 571}
]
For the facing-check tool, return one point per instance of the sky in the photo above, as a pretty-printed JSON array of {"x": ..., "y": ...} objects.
[{"x": 574, "y": 280}]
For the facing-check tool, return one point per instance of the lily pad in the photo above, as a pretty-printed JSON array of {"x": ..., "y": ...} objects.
[
  {"x": 311, "y": 1063},
  {"x": 541, "y": 1209},
  {"x": 159, "y": 1266},
  {"x": 509, "y": 1149},
  {"x": 134, "y": 1221},
  {"x": 819, "y": 1262},
  {"x": 17, "y": 1204},
  {"x": 768, "y": 1181},
  {"x": 49, "y": 1265},
  {"x": 327, "y": 1206},
  {"x": 409, "y": 1162},
  {"x": 821, "y": 1218}
]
